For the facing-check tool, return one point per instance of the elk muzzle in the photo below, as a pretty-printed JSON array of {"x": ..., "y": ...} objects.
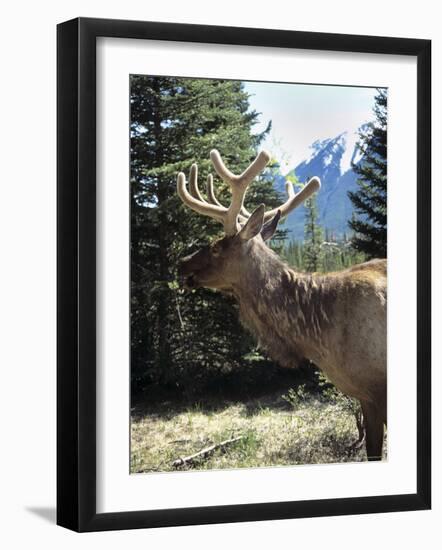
[{"x": 191, "y": 268}]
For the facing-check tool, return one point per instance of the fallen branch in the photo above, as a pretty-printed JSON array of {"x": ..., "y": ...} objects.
[{"x": 204, "y": 453}]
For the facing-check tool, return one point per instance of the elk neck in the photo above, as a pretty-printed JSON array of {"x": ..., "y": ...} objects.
[{"x": 289, "y": 312}]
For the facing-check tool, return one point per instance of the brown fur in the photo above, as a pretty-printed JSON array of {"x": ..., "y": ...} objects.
[{"x": 337, "y": 320}]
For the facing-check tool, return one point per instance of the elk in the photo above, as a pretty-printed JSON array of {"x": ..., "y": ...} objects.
[{"x": 336, "y": 320}]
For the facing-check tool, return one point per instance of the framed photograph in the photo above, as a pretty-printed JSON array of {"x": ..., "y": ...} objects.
[{"x": 228, "y": 201}]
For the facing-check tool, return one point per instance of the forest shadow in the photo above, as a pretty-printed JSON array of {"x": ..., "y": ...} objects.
[{"x": 220, "y": 394}]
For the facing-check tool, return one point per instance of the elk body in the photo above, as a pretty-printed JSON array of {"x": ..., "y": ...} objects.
[{"x": 337, "y": 320}]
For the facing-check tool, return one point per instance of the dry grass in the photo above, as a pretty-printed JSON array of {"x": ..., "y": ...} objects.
[{"x": 275, "y": 433}]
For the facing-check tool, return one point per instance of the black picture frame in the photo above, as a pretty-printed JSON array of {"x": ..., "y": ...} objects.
[{"x": 76, "y": 273}]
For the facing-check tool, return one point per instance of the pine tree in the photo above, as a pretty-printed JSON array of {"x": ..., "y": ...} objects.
[
  {"x": 312, "y": 258},
  {"x": 370, "y": 200},
  {"x": 176, "y": 338},
  {"x": 293, "y": 254}
]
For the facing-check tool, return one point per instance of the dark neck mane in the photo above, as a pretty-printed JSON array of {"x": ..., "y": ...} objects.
[{"x": 287, "y": 311}]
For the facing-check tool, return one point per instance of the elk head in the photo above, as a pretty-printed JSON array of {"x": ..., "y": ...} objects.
[{"x": 220, "y": 264}]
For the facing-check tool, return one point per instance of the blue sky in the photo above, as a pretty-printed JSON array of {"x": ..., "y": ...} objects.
[{"x": 303, "y": 113}]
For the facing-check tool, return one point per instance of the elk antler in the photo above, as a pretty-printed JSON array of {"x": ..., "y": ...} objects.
[
  {"x": 236, "y": 213},
  {"x": 294, "y": 200},
  {"x": 238, "y": 186},
  {"x": 244, "y": 214}
]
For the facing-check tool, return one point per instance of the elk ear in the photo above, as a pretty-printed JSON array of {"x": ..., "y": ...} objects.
[
  {"x": 269, "y": 228},
  {"x": 254, "y": 224}
]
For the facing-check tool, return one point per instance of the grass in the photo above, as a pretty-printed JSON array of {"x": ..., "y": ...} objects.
[{"x": 276, "y": 430}]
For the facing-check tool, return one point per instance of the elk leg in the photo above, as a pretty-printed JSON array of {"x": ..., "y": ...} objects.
[
  {"x": 374, "y": 430},
  {"x": 356, "y": 445}
]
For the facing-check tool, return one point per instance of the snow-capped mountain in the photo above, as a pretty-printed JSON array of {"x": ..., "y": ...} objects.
[{"x": 331, "y": 160}]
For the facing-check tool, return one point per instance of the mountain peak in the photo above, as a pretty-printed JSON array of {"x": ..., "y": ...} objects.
[
  {"x": 340, "y": 151},
  {"x": 331, "y": 160}
]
